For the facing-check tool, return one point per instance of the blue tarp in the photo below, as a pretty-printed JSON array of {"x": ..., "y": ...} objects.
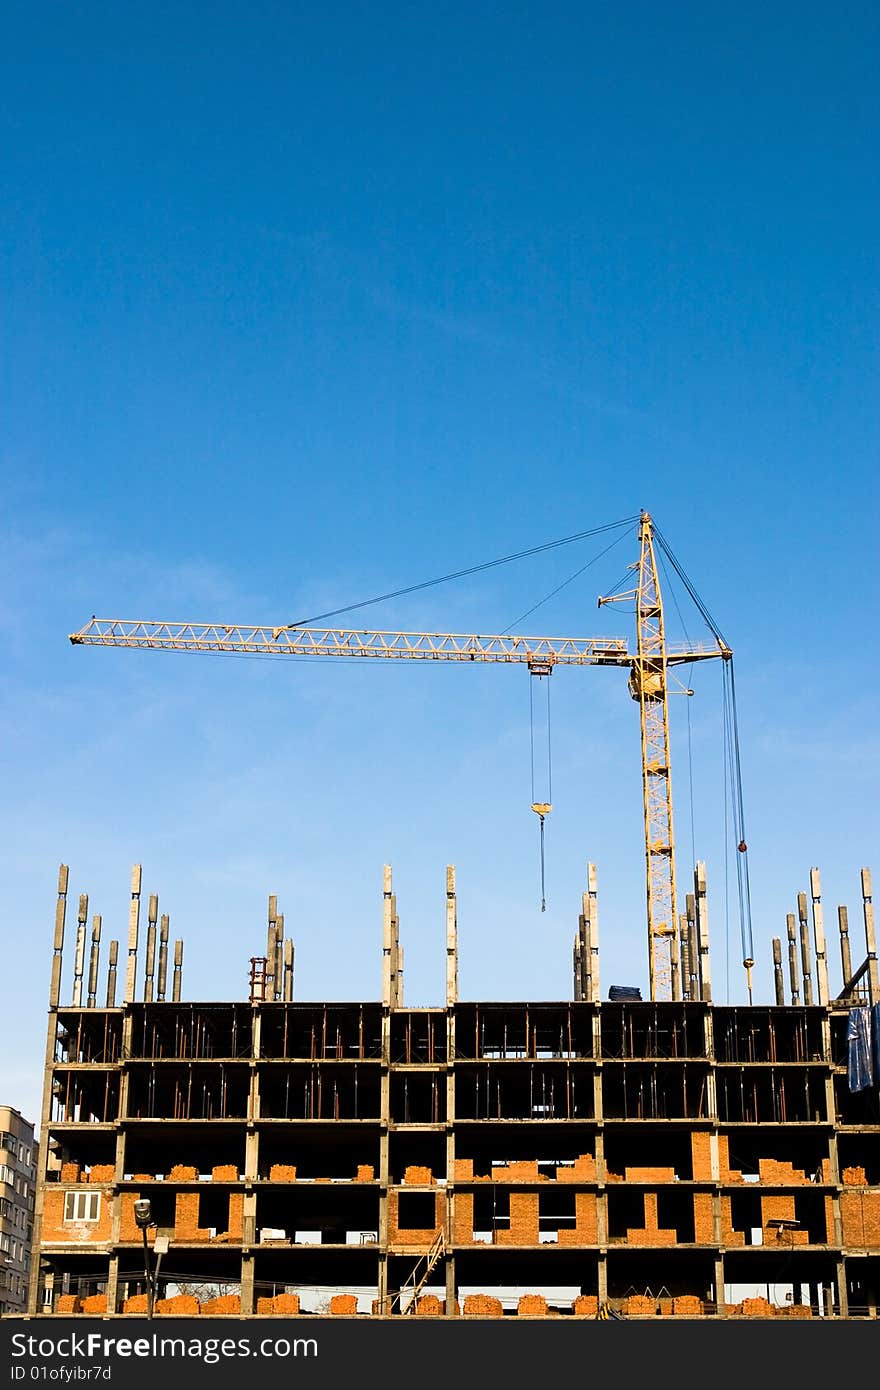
[{"x": 858, "y": 1037}]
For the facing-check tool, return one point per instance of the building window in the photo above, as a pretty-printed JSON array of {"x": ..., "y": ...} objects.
[{"x": 82, "y": 1206}]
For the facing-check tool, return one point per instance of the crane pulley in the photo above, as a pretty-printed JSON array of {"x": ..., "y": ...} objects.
[{"x": 648, "y": 668}]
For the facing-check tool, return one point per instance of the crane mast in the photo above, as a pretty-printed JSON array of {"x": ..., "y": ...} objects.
[{"x": 648, "y": 683}]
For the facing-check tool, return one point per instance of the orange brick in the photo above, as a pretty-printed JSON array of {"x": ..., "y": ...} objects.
[
  {"x": 406, "y": 1236},
  {"x": 429, "y": 1306},
  {"x": 422, "y": 1177},
  {"x": 68, "y": 1303},
  {"x": 56, "y": 1230},
  {"x": 481, "y": 1305},
  {"x": 687, "y": 1305},
  {"x": 365, "y": 1173},
  {"x": 523, "y": 1220},
  {"x": 69, "y": 1173},
  {"x": 136, "y": 1304},
  {"x": 525, "y": 1170},
  {"x": 282, "y": 1172},
  {"x": 95, "y": 1303},
  {"x": 586, "y": 1305},
  {"x": 227, "y": 1304},
  {"x": 343, "y": 1304},
  {"x": 102, "y": 1172},
  {"x": 757, "y": 1308},
  {"x": 582, "y": 1170},
  {"x": 850, "y": 1177},
  {"x": 143, "y": 1177},
  {"x": 186, "y": 1218},
  {"x": 236, "y": 1211},
  {"x": 638, "y": 1306},
  {"x": 649, "y": 1175},
  {"x": 183, "y": 1305},
  {"x": 224, "y": 1172},
  {"x": 585, "y": 1229},
  {"x": 463, "y": 1170},
  {"x": 182, "y": 1172},
  {"x": 286, "y": 1303},
  {"x": 463, "y": 1209},
  {"x": 704, "y": 1218},
  {"x": 532, "y": 1305},
  {"x": 701, "y": 1160}
]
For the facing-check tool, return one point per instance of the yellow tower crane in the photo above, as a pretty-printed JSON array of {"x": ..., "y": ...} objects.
[{"x": 648, "y": 683}]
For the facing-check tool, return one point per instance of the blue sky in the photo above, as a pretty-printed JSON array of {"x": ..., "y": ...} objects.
[{"x": 302, "y": 303}]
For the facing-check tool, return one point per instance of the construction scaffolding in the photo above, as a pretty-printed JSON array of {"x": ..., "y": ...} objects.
[{"x": 542, "y": 1158}]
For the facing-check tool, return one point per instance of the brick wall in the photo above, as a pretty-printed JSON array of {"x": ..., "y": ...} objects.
[
  {"x": 650, "y": 1234},
  {"x": 58, "y": 1231},
  {"x": 421, "y": 1237},
  {"x": 860, "y": 1218},
  {"x": 585, "y": 1231}
]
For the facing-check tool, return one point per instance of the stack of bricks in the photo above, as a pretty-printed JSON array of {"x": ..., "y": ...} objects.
[
  {"x": 586, "y": 1227},
  {"x": 224, "y": 1172},
  {"x": 852, "y": 1177},
  {"x": 344, "y": 1305},
  {"x": 650, "y": 1234},
  {"x": 102, "y": 1172},
  {"x": 687, "y": 1305},
  {"x": 136, "y": 1304},
  {"x": 429, "y": 1306},
  {"x": 423, "y": 1236},
  {"x": 463, "y": 1170},
  {"x": 780, "y": 1209},
  {"x": 186, "y": 1219},
  {"x": 586, "y": 1305},
  {"x": 532, "y": 1305},
  {"x": 482, "y": 1305},
  {"x": 95, "y": 1303},
  {"x": 728, "y": 1235},
  {"x": 286, "y": 1303},
  {"x": 860, "y": 1218},
  {"x": 365, "y": 1173},
  {"x": 183, "y": 1172},
  {"x": 183, "y": 1305},
  {"x": 69, "y": 1303},
  {"x": 639, "y": 1306},
  {"x": 418, "y": 1177},
  {"x": 227, "y": 1305},
  {"x": 799, "y": 1310},
  {"x": 582, "y": 1170},
  {"x": 282, "y": 1172},
  {"x": 757, "y": 1308},
  {"x": 524, "y": 1222},
  {"x": 69, "y": 1173}
]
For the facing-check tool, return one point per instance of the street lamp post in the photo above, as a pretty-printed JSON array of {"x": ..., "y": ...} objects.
[{"x": 143, "y": 1215}]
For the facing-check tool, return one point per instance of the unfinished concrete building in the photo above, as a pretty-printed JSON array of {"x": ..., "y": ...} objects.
[{"x": 541, "y": 1158}]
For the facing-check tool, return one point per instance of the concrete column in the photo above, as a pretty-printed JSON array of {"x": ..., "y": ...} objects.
[
  {"x": 870, "y": 937},
  {"x": 794, "y": 977},
  {"x": 778, "y": 981},
  {"x": 150, "y": 964},
  {"x": 94, "y": 960},
  {"x": 80, "y": 949},
  {"x": 133, "y": 921},
  {"x": 819, "y": 938}
]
